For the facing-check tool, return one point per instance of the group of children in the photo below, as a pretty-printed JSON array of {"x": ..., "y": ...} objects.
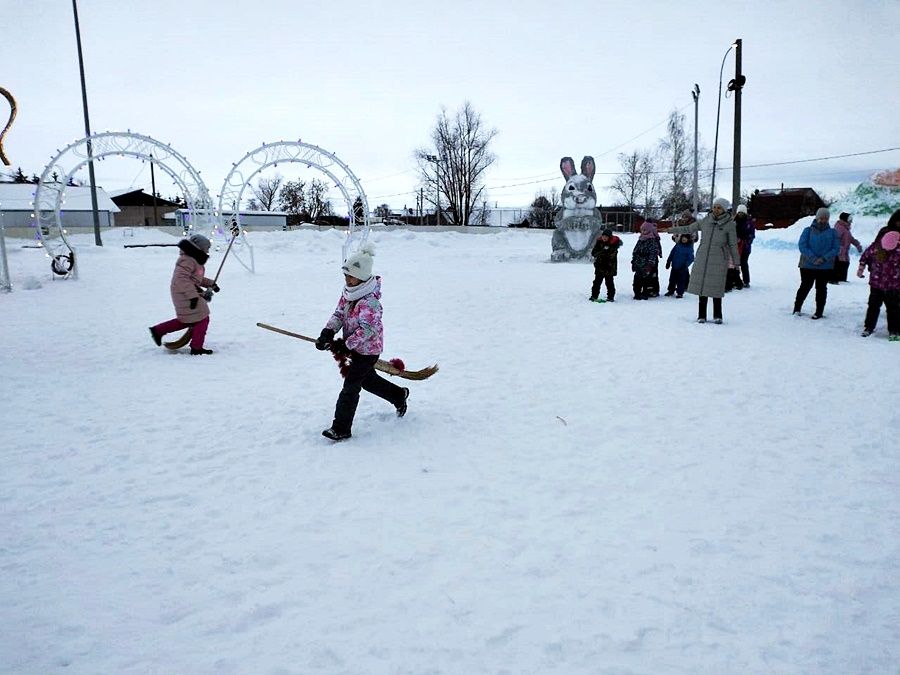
[{"x": 644, "y": 264}]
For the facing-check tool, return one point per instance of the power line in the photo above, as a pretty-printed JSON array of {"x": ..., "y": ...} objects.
[{"x": 816, "y": 159}]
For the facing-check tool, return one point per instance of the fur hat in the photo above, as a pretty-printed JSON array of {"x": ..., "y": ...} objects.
[
  {"x": 200, "y": 242},
  {"x": 359, "y": 263},
  {"x": 724, "y": 203},
  {"x": 889, "y": 240},
  {"x": 742, "y": 208},
  {"x": 823, "y": 212}
]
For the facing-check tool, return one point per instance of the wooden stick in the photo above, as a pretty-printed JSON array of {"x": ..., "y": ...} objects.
[{"x": 380, "y": 364}]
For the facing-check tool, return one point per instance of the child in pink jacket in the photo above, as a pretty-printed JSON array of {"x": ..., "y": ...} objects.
[
  {"x": 883, "y": 260},
  {"x": 358, "y": 315},
  {"x": 191, "y": 294}
]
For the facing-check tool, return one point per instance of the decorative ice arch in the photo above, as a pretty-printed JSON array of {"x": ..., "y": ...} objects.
[
  {"x": 49, "y": 195},
  {"x": 270, "y": 154}
]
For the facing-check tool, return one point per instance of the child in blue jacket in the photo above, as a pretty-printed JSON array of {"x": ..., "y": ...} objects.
[{"x": 679, "y": 261}]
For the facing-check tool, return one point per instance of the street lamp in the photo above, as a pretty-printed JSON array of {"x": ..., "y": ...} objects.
[
  {"x": 712, "y": 195},
  {"x": 437, "y": 183},
  {"x": 87, "y": 131},
  {"x": 695, "y": 92}
]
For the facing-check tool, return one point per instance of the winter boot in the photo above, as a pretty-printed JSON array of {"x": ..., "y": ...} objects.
[
  {"x": 334, "y": 435},
  {"x": 401, "y": 407},
  {"x": 866, "y": 332},
  {"x": 200, "y": 352},
  {"x": 894, "y": 338},
  {"x": 156, "y": 337}
]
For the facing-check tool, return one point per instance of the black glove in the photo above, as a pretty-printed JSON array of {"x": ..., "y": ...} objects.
[
  {"x": 215, "y": 288},
  {"x": 193, "y": 303},
  {"x": 325, "y": 339},
  {"x": 207, "y": 295}
]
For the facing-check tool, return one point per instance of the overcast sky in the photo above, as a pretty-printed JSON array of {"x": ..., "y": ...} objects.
[{"x": 366, "y": 80}]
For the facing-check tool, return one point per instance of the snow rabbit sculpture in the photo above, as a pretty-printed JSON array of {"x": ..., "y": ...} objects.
[{"x": 579, "y": 222}]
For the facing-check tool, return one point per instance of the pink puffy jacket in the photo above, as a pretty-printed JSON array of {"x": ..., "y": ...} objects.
[{"x": 188, "y": 275}]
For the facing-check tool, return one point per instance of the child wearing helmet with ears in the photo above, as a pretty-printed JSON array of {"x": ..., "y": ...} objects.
[
  {"x": 191, "y": 292},
  {"x": 358, "y": 315},
  {"x": 882, "y": 258}
]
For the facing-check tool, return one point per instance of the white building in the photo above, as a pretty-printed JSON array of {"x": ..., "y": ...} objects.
[{"x": 16, "y": 207}]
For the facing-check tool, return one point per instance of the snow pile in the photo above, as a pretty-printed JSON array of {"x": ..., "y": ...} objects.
[
  {"x": 582, "y": 488},
  {"x": 870, "y": 198}
]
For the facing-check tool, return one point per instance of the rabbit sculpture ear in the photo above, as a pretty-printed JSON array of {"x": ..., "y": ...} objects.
[
  {"x": 567, "y": 166},
  {"x": 588, "y": 168}
]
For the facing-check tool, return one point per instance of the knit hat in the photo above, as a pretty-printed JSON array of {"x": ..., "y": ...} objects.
[
  {"x": 823, "y": 212},
  {"x": 724, "y": 203},
  {"x": 845, "y": 216},
  {"x": 890, "y": 240},
  {"x": 607, "y": 232},
  {"x": 359, "y": 263},
  {"x": 742, "y": 208},
  {"x": 200, "y": 242}
]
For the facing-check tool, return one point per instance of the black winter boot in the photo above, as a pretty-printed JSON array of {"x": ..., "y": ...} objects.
[
  {"x": 200, "y": 352},
  {"x": 401, "y": 407},
  {"x": 333, "y": 435}
]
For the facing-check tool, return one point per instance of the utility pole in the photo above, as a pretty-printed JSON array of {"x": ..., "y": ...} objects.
[
  {"x": 153, "y": 189},
  {"x": 87, "y": 131},
  {"x": 437, "y": 183},
  {"x": 696, "y": 94},
  {"x": 737, "y": 85}
]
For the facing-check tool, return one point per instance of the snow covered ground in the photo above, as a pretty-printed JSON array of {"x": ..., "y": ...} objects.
[{"x": 582, "y": 488}]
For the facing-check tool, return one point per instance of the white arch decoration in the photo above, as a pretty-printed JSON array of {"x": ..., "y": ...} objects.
[
  {"x": 49, "y": 195},
  {"x": 270, "y": 154}
]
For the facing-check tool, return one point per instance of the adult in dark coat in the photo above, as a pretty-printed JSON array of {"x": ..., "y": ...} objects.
[
  {"x": 746, "y": 232},
  {"x": 819, "y": 247},
  {"x": 718, "y": 245}
]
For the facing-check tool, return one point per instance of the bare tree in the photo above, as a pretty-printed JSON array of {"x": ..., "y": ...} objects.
[
  {"x": 317, "y": 199},
  {"x": 455, "y": 168},
  {"x": 254, "y": 205},
  {"x": 292, "y": 198},
  {"x": 631, "y": 183},
  {"x": 266, "y": 190},
  {"x": 383, "y": 211}
]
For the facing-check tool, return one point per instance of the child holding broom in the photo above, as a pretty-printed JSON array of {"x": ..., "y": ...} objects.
[{"x": 358, "y": 315}]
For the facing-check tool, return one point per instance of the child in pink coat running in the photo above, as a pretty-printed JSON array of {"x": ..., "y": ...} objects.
[
  {"x": 358, "y": 315},
  {"x": 191, "y": 294}
]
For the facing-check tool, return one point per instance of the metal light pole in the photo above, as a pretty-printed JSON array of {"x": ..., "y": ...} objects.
[
  {"x": 87, "y": 131},
  {"x": 696, "y": 94},
  {"x": 737, "y": 85},
  {"x": 712, "y": 195},
  {"x": 153, "y": 190},
  {"x": 437, "y": 183}
]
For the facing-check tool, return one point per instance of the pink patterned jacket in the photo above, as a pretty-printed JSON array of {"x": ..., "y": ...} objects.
[
  {"x": 884, "y": 274},
  {"x": 361, "y": 322}
]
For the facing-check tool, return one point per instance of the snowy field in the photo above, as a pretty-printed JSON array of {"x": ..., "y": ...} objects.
[{"x": 582, "y": 488}]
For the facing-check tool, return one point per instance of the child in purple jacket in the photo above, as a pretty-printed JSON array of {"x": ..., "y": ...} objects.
[
  {"x": 358, "y": 315},
  {"x": 883, "y": 260}
]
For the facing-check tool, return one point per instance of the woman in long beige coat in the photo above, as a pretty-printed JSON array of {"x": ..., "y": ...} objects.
[
  {"x": 718, "y": 245},
  {"x": 191, "y": 293}
]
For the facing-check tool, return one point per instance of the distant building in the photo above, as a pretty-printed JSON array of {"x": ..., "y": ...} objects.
[
  {"x": 136, "y": 208},
  {"x": 263, "y": 220},
  {"x": 16, "y": 201}
]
